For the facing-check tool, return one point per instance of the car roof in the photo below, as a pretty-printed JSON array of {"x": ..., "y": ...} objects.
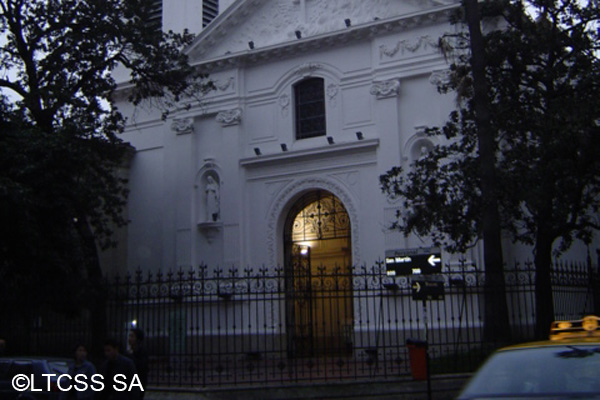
[{"x": 549, "y": 343}]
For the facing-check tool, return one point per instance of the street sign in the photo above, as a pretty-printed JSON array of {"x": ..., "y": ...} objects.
[
  {"x": 427, "y": 289},
  {"x": 422, "y": 261}
]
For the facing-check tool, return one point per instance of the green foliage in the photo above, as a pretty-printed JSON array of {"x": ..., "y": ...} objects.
[
  {"x": 61, "y": 192},
  {"x": 543, "y": 71}
]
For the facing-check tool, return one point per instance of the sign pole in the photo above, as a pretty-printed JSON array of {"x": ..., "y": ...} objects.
[{"x": 425, "y": 320}]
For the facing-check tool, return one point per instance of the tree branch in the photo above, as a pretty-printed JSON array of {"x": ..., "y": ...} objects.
[{"x": 14, "y": 87}]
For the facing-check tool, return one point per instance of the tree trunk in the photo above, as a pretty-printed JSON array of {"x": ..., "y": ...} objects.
[
  {"x": 544, "y": 302},
  {"x": 496, "y": 322},
  {"x": 97, "y": 294}
]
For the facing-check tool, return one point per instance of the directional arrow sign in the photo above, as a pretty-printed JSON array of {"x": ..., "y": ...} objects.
[
  {"x": 432, "y": 260},
  {"x": 427, "y": 289},
  {"x": 413, "y": 261},
  {"x": 416, "y": 287}
]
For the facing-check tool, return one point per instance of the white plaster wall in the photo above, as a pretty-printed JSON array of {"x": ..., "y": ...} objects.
[
  {"x": 164, "y": 204},
  {"x": 146, "y": 238}
]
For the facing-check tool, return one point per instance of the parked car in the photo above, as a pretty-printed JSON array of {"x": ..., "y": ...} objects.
[
  {"x": 31, "y": 366},
  {"x": 566, "y": 366}
]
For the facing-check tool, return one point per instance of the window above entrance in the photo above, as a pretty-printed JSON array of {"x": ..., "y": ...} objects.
[{"x": 309, "y": 96}]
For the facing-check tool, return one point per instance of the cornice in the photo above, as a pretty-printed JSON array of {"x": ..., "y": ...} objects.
[
  {"x": 367, "y": 144},
  {"x": 222, "y": 24},
  {"x": 326, "y": 40}
]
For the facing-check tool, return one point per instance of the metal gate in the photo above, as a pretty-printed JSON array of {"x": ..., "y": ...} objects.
[{"x": 319, "y": 303}]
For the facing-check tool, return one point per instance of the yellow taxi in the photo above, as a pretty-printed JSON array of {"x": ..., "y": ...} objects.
[{"x": 565, "y": 367}]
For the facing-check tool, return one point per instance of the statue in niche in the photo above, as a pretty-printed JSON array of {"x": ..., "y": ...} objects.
[
  {"x": 212, "y": 199},
  {"x": 421, "y": 150}
]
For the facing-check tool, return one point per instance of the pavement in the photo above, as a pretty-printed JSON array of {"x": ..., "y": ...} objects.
[{"x": 443, "y": 387}]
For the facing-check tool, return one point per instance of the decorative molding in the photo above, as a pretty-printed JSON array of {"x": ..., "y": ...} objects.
[
  {"x": 352, "y": 178},
  {"x": 290, "y": 193},
  {"x": 210, "y": 229},
  {"x": 332, "y": 91},
  {"x": 322, "y": 37},
  {"x": 307, "y": 69},
  {"x": 230, "y": 117},
  {"x": 384, "y": 89},
  {"x": 182, "y": 126},
  {"x": 209, "y": 164},
  {"x": 284, "y": 103},
  {"x": 274, "y": 187},
  {"x": 420, "y": 130},
  {"x": 403, "y": 46},
  {"x": 224, "y": 85},
  {"x": 440, "y": 78}
]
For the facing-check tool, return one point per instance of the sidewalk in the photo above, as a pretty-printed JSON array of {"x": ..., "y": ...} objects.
[{"x": 444, "y": 387}]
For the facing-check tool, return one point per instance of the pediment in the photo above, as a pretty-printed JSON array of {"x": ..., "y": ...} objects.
[{"x": 269, "y": 23}]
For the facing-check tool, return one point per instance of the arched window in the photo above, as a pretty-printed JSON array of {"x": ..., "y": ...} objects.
[{"x": 309, "y": 96}]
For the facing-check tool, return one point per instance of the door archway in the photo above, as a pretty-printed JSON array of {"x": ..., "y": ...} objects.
[{"x": 318, "y": 270}]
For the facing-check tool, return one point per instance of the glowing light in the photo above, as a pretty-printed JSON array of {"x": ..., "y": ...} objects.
[
  {"x": 589, "y": 323},
  {"x": 564, "y": 325}
]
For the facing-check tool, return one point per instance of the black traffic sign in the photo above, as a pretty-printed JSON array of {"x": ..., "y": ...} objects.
[
  {"x": 413, "y": 262},
  {"x": 427, "y": 289}
]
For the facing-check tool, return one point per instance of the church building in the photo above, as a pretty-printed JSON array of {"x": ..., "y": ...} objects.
[{"x": 313, "y": 101}]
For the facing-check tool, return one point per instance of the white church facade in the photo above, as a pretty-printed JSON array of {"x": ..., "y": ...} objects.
[{"x": 314, "y": 100}]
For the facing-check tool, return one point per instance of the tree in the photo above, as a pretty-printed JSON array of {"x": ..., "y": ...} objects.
[
  {"x": 61, "y": 194},
  {"x": 542, "y": 69},
  {"x": 496, "y": 311}
]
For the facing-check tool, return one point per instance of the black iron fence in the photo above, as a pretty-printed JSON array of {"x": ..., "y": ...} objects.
[{"x": 209, "y": 327}]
